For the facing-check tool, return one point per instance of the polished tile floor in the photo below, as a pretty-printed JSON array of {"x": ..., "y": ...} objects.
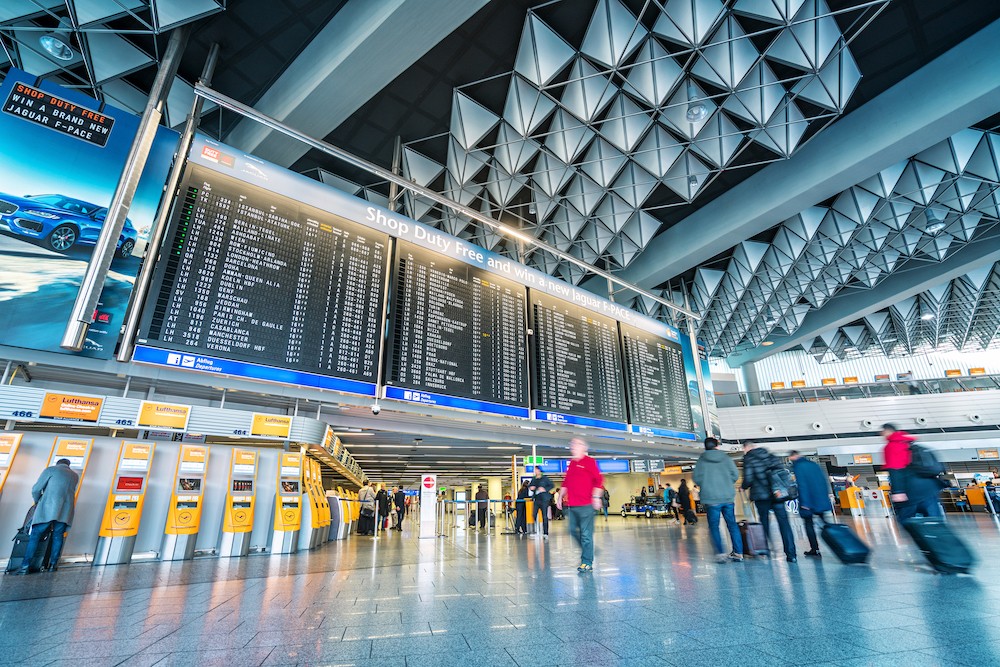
[{"x": 655, "y": 598}]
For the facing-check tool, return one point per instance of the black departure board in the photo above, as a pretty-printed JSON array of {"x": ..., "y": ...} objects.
[
  {"x": 577, "y": 368},
  {"x": 254, "y": 276},
  {"x": 458, "y": 330},
  {"x": 655, "y": 380}
]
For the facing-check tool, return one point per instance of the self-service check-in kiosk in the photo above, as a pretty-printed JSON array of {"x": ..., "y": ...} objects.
[
  {"x": 76, "y": 451},
  {"x": 324, "y": 504},
  {"x": 184, "y": 512},
  {"x": 123, "y": 511},
  {"x": 288, "y": 504},
  {"x": 237, "y": 523},
  {"x": 312, "y": 513},
  {"x": 9, "y": 443}
]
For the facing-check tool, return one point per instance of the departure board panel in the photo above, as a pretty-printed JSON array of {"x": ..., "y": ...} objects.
[
  {"x": 250, "y": 275},
  {"x": 577, "y": 368},
  {"x": 655, "y": 380},
  {"x": 458, "y": 330}
]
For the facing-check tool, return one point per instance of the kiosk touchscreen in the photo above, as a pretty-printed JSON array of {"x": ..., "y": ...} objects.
[
  {"x": 9, "y": 443},
  {"x": 288, "y": 504},
  {"x": 123, "y": 511},
  {"x": 237, "y": 523},
  {"x": 184, "y": 512},
  {"x": 76, "y": 451}
]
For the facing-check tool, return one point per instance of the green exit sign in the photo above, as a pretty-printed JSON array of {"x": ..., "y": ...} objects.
[{"x": 534, "y": 460}]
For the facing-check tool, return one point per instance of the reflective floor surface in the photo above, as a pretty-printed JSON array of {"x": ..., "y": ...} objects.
[{"x": 656, "y": 597}]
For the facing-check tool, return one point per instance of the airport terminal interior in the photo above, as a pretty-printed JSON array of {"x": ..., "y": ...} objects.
[{"x": 499, "y": 332}]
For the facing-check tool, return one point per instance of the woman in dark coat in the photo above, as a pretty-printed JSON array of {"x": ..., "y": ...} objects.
[
  {"x": 521, "y": 512},
  {"x": 687, "y": 506},
  {"x": 382, "y": 500}
]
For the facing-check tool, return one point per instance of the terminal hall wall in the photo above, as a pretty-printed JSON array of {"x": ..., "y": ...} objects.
[{"x": 33, "y": 455}]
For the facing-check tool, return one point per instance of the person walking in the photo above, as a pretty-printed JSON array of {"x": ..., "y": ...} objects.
[
  {"x": 582, "y": 491},
  {"x": 521, "y": 510},
  {"x": 399, "y": 500},
  {"x": 686, "y": 503},
  {"x": 814, "y": 497},
  {"x": 716, "y": 476},
  {"x": 670, "y": 499},
  {"x": 540, "y": 487},
  {"x": 606, "y": 502},
  {"x": 382, "y": 504},
  {"x": 55, "y": 504},
  {"x": 366, "y": 524},
  {"x": 913, "y": 490},
  {"x": 482, "y": 507},
  {"x": 758, "y": 466}
]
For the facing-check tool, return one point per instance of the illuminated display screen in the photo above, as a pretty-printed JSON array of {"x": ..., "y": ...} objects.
[
  {"x": 242, "y": 486},
  {"x": 189, "y": 485},
  {"x": 129, "y": 484},
  {"x": 655, "y": 380}
]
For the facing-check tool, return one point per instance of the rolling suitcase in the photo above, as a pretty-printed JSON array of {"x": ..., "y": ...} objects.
[
  {"x": 690, "y": 516},
  {"x": 42, "y": 554},
  {"x": 945, "y": 551},
  {"x": 754, "y": 539},
  {"x": 842, "y": 541}
]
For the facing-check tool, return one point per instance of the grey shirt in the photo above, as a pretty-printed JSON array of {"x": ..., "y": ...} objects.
[{"x": 55, "y": 495}]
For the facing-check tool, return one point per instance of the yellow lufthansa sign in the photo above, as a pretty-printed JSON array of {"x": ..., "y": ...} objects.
[
  {"x": 271, "y": 426},
  {"x": 862, "y": 459},
  {"x": 164, "y": 415},
  {"x": 672, "y": 470},
  {"x": 69, "y": 406},
  {"x": 777, "y": 385},
  {"x": 989, "y": 454},
  {"x": 798, "y": 383}
]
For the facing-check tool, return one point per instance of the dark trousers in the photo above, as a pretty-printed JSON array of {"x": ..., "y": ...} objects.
[
  {"x": 581, "y": 527},
  {"x": 542, "y": 505},
  {"x": 811, "y": 529},
  {"x": 481, "y": 516},
  {"x": 764, "y": 509},
  {"x": 927, "y": 506},
  {"x": 400, "y": 513},
  {"x": 521, "y": 519},
  {"x": 37, "y": 530}
]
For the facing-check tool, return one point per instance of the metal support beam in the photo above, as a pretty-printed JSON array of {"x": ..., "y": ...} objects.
[
  {"x": 702, "y": 398},
  {"x": 159, "y": 226},
  {"x": 92, "y": 284},
  {"x": 461, "y": 209},
  {"x": 956, "y": 90},
  {"x": 852, "y": 304}
]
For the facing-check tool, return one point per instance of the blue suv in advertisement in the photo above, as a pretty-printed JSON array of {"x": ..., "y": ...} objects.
[{"x": 60, "y": 222}]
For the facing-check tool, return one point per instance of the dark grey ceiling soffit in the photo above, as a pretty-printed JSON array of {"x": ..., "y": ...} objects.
[
  {"x": 952, "y": 93},
  {"x": 365, "y": 46},
  {"x": 896, "y": 289}
]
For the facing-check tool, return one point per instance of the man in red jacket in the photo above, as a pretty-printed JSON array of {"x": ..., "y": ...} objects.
[{"x": 583, "y": 495}]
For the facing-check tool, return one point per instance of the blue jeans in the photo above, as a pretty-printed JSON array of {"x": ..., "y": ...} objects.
[
  {"x": 37, "y": 530},
  {"x": 728, "y": 511},
  {"x": 929, "y": 506},
  {"x": 581, "y": 527}
]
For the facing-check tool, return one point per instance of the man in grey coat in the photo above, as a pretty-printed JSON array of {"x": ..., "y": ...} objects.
[
  {"x": 55, "y": 500},
  {"x": 716, "y": 475}
]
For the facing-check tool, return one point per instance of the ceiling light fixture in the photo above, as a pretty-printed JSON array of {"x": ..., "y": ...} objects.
[
  {"x": 57, "y": 43},
  {"x": 767, "y": 343},
  {"x": 934, "y": 228},
  {"x": 927, "y": 316},
  {"x": 696, "y": 111}
]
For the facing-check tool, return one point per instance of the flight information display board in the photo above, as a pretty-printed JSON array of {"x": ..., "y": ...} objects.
[
  {"x": 254, "y": 276},
  {"x": 458, "y": 330},
  {"x": 577, "y": 367},
  {"x": 655, "y": 380}
]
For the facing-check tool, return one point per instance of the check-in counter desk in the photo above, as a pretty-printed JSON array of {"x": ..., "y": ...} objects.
[{"x": 976, "y": 495}]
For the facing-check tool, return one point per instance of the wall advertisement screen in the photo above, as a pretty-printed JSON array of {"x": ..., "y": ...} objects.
[{"x": 60, "y": 159}]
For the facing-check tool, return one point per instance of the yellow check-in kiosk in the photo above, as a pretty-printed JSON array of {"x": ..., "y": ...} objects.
[
  {"x": 338, "y": 513},
  {"x": 184, "y": 511},
  {"x": 312, "y": 512},
  {"x": 76, "y": 451},
  {"x": 123, "y": 510},
  {"x": 9, "y": 443},
  {"x": 237, "y": 520},
  {"x": 288, "y": 504}
]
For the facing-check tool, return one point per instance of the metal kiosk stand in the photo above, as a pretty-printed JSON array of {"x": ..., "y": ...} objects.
[
  {"x": 184, "y": 513},
  {"x": 123, "y": 511},
  {"x": 237, "y": 524},
  {"x": 288, "y": 504}
]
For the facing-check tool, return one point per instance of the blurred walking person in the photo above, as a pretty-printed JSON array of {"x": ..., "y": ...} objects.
[
  {"x": 716, "y": 476},
  {"x": 814, "y": 497},
  {"x": 540, "y": 488},
  {"x": 759, "y": 467},
  {"x": 582, "y": 491}
]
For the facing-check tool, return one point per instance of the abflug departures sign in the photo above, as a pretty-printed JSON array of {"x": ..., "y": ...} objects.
[
  {"x": 58, "y": 114},
  {"x": 455, "y": 288}
]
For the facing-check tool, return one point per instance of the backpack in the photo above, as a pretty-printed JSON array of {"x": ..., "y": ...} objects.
[
  {"x": 783, "y": 485},
  {"x": 923, "y": 463}
]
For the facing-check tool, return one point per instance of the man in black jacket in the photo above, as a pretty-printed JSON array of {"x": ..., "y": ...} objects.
[
  {"x": 399, "y": 500},
  {"x": 758, "y": 465},
  {"x": 541, "y": 487}
]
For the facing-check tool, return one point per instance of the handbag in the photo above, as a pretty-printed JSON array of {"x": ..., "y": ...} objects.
[{"x": 367, "y": 511}]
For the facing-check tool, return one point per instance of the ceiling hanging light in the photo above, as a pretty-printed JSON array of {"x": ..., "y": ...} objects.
[
  {"x": 935, "y": 222},
  {"x": 57, "y": 43},
  {"x": 927, "y": 317},
  {"x": 696, "y": 111}
]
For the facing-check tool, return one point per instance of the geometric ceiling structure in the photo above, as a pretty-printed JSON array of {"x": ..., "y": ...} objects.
[
  {"x": 915, "y": 212},
  {"x": 589, "y": 136},
  {"x": 98, "y": 45}
]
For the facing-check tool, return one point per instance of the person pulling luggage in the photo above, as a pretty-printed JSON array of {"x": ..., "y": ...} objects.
[
  {"x": 914, "y": 480},
  {"x": 760, "y": 468},
  {"x": 814, "y": 497},
  {"x": 55, "y": 503}
]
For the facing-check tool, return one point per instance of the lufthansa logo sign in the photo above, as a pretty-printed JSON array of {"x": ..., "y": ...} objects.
[
  {"x": 184, "y": 517},
  {"x": 121, "y": 518}
]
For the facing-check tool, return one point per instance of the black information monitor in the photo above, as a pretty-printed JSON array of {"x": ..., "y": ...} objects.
[
  {"x": 457, "y": 329},
  {"x": 655, "y": 380},
  {"x": 255, "y": 276},
  {"x": 577, "y": 367}
]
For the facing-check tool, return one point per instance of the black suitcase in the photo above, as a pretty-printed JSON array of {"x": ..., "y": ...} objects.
[
  {"x": 42, "y": 554},
  {"x": 754, "y": 539},
  {"x": 690, "y": 516},
  {"x": 945, "y": 551},
  {"x": 847, "y": 546}
]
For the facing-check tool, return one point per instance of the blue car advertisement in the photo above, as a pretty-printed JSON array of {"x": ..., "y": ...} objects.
[{"x": 60, "y": 159}]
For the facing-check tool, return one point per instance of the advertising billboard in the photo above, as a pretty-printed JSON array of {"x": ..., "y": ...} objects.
[{"x": 60, "y": 159}]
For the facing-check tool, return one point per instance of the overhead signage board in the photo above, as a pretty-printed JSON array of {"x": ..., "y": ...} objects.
[
  {"x": 953, "y": 372},
  {"x": 271, "y": 426},
  {"x": 656, "y": 381},
  {"x": 672, "y": 470},
  {"x": 777, "y": 385},
  {"x": 71, "y": 407},
  {"x": 163, "y": 416},
  {"x": 989, "y": 454},
  {"x": 60, "y": 160},
  {"x": 827, "y": 382},
  {"x": 978, "y": 370},
  {"x": 851, "y": 379},
  {"x": 863, "y": 459},
  {"x": 883, "y": 377},
  {"x": 797, "y": 384}
]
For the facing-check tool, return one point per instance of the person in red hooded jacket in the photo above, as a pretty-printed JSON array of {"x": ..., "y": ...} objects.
[{"x": 911, "y": 493}]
